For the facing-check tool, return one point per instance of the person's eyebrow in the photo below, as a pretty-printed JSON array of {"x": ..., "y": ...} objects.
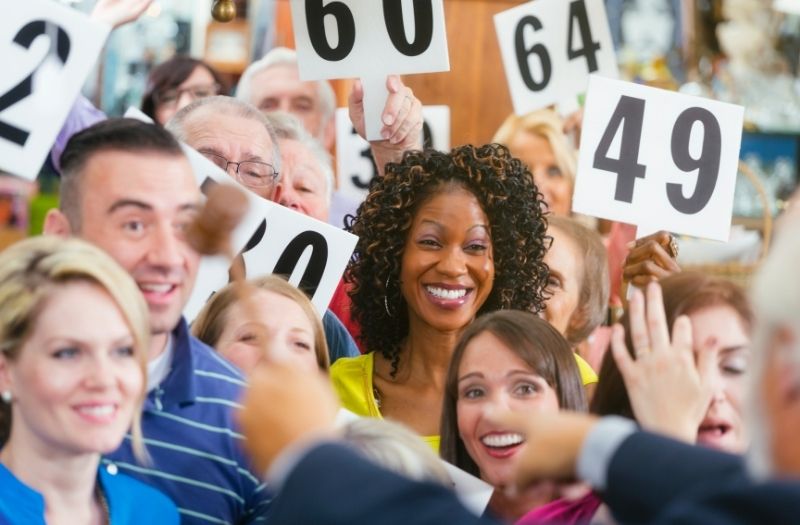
[
  {"x": 132, "y": 203},
  {"x": 441, "y": 225},
  {"x": 734, "y": 348},
  {"x": 512, "y": 373},
  {"x": 471, "y": 375},
  {"x": 191, "y": 206},
  {"x": 212, "y": 150},
  {"x": 479, "y": 226}
]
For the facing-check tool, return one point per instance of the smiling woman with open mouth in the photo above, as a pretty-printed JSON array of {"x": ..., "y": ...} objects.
[
  {"x": 505, "y": 361},
  {"x": 443, "y": 238}
]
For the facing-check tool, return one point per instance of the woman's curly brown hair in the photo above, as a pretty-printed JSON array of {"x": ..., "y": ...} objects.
[{"x": 505, "y": 190}]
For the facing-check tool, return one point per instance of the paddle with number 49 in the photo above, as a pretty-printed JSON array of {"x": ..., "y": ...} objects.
[{"x": 658, "y": 159}]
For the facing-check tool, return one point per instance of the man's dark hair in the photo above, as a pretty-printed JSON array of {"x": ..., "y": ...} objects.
[{"x": 116, "y": 134}]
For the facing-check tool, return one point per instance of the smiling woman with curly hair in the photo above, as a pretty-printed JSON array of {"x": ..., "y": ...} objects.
[{"x": 443, "y": 238}]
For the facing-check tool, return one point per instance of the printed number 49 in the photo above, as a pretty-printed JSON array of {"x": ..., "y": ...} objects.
[
  {"x": 629, "y": 115},
  {"x": 589, "y": 49}
]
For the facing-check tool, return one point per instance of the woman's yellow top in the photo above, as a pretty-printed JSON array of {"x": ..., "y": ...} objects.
[
  {"x": 588, "y": 376},
  {"x": 352, "y": 380}
]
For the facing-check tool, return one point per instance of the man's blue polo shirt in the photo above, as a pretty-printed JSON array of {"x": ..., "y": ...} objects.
[{"x": 194, "y": 445}]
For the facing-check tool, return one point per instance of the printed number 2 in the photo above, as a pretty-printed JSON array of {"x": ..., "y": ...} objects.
[
  {"x": 577, "y": 13},
  {"x": 59, "y": 47},
  {"x": 629, "y": 114},
  {"x": 316, "y": 11}
]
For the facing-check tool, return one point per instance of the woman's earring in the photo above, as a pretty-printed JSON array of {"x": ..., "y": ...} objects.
[
  {"x": 386, "y": 298},
  {"x": 6, "y": 396}
]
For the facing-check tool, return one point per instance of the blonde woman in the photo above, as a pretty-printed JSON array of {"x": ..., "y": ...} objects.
[
  {"x": 537, "y": 140},
  {"x": 73, "y": 338},
  {"x": 279, "y": 323}
]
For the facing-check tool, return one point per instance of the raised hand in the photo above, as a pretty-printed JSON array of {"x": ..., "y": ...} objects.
[
  {"x": 668, "y": 391},
  {"x": 119, "y": 12},
  {"x": 283, "y": 406},
  {"x": 402, "y": 121},
  {"x": 651, "y": 258}
]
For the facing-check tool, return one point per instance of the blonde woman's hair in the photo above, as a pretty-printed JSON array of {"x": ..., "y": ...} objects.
[
  {"x": 32, "y": 269},
  {"x": 547, "y": 124},
  {"x": 211, "y": 321}
]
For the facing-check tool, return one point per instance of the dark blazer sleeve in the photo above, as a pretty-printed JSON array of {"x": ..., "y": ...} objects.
[
  {"x": 333, "y": 484},
  {"x": 648, "y": 472},
  {"x": 738, "y": 503}
]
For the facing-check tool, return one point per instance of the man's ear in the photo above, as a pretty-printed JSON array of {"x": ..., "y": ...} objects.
[
  {"x": 276, "y": 193},
  {"x": 56, "y": 223}
]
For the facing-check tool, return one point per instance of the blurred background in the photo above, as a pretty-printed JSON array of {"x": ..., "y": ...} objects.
[{"x": 740, "y": 51}]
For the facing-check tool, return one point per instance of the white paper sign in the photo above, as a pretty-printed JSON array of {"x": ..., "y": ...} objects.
[
  {"x": 46, "y": 51},
  {"x": 354, "y": 162},
  {"x": 270, "y": 239},
  {"x": 473, "y": 492},
  {"x": 369, "y": 40},
  {"x": 658, "y": 159},
  {"x": 549, "y": 48},
  {"x": 283, "y": 241}
]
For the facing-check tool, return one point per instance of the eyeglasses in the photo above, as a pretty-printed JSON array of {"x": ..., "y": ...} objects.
[
  {"x": 170, "y": 97},
  {"x": 249, "y": 172}
]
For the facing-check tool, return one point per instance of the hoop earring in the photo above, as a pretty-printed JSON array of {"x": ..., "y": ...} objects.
[
  {"x": 6, "y": 396},
  {"x": 386, "y": 299}
]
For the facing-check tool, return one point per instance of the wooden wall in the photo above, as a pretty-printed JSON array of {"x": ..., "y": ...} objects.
[{"x": 474, "y": 88}]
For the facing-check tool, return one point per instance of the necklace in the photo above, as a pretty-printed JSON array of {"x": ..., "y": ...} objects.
[
  {"x": 377, "y": 395},
  {"x": 101, "y": 499}
]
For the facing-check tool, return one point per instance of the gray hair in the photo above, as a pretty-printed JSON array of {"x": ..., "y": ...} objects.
[
  {"x": 285, "y": 56},
  {"x": 396, "y": 448},
  {"x": 776, "y": 301},
  {"x": 178, "y": 125},
  {"x": 289, "y": 127}
]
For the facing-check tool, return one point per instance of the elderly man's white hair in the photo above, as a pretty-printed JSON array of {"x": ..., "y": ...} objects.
[
  {"x": 775, "y": 295},
  {"x": 285, "y": 56},
  {"x": 289, "y": 127},
  {"x": 180, "y": 123},
  {"x": 395, "y": 447}
]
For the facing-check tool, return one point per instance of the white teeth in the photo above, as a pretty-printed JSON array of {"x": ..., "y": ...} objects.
[
  {"x": 443, "y": 293},
  {"x": 156, "y": 288},
  {"x": 98, "y": 410},
  {"x": 502, "y": 440}
]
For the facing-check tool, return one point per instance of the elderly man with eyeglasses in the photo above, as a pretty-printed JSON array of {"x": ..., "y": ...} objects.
[{"x": 234, "y": 136}]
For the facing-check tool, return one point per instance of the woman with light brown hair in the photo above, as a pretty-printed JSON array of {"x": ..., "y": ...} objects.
[
  {"x": 505, "y": 361},
  {"x": 264, "y": 318}
]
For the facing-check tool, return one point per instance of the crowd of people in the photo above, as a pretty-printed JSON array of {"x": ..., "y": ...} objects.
[{"x": 473, "y": 329}]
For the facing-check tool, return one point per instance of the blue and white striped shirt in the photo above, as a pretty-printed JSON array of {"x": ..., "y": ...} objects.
[{"x": 195, "y": 447}]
